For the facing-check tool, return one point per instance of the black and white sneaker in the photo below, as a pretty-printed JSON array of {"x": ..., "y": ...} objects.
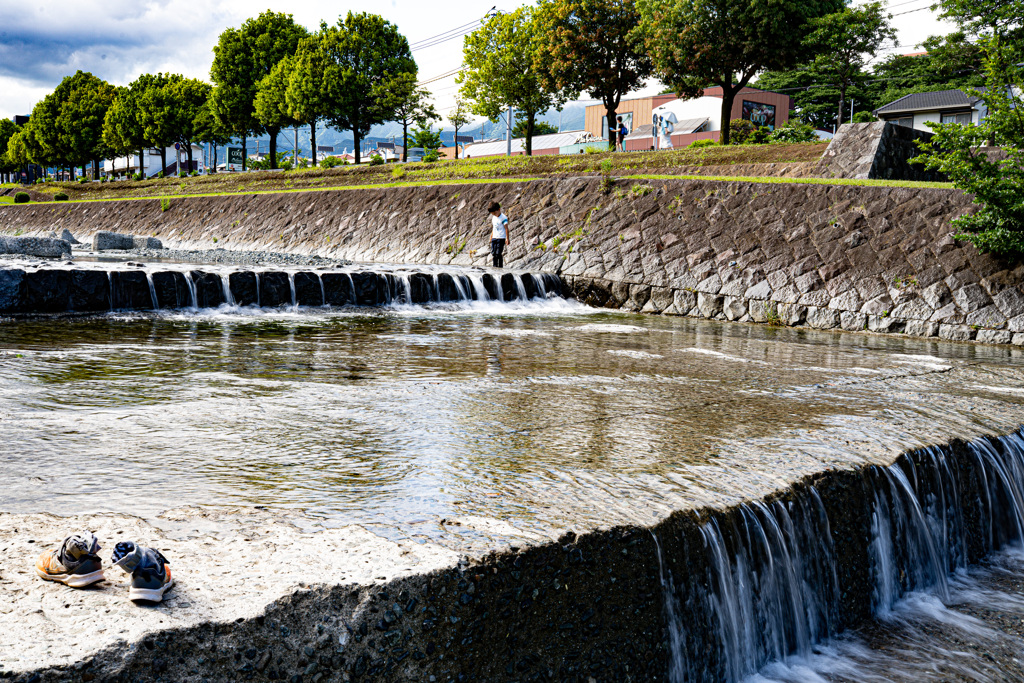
[{"x": 151, "y": 573}]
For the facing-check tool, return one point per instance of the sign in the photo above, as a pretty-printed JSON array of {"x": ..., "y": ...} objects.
[
  {"x": 235, "y": 155},
  {"x": 325, "y": 148},
  {"x": 177, "y": 146},
  {"x": 760, "y": 114}
]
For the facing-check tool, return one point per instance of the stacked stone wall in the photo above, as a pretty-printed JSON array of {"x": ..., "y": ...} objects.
[{"x": 881, "y": 259}]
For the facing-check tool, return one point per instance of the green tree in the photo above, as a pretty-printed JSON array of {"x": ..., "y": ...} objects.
[
  {"x": 501, "y": 70},
  {"x": 843, "y": 42},
  {"x": 242, "y": 58},
  {"x": 158, "y": 113},
  {"x": 951, "y": 62},
  {"x": 426, "y": 138},
  {"x": 539, "y": 128},
  {"x": 86, "y": 100},
  {"x": 997, "y": 184},
  {"x": 367, "y": 57},
  {"x": 16, "y": 151},
  {"x": 986, "y": 17},
  {"x": 191, "y": 103},
  {"x": 411, "y": 106},
  {"x": 458, "y": 117},
  {"x": 306, "y": 94},
  {"x": 208, "y": 130},
  {"x": 271, "y": 103},
  {"x": 7, "y": 131},
  {"x": 123, "y": 128},
  {"x": 726, "y": 42},
  {"x": 592, "y": 46}
]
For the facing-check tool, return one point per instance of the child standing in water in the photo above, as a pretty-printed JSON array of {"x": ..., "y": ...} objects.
[{"x": 499, "y": 234}]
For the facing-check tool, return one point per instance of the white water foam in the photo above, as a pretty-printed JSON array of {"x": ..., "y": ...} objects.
[
  {"x": 608, "y": 327},
  {"x": 723, "y": 356},
  {"x": 634, "y": 354}
]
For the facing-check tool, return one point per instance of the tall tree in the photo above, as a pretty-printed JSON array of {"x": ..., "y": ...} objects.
[
  {"x": 123, "y": 128},
  {"x": 368, "y": 56},
  {"x": 843, "y": 42},
  {"x": 411, "y": 107},
  {"x": 539, "y": 128},
  {"x": 306, "y": 92},
  {"x": 592, "y": 46},
  {"x": 951, "y": 62},
  {"x": 242, "y": 58},
  {"x": 85, "y": 101},
  {"x": 191, "y": 97},
  {"x": 502, "y": 72},
  {"x": 159, "y": 113},
  {"x": 1004, "y": 18},
  {"x": 458, "y": 117},
  {"x": 7, "y": 131},
  {"x": 270, "y": 104},
  {"x": 726, "y": 42},
  {"x": 208, "y": 130}
]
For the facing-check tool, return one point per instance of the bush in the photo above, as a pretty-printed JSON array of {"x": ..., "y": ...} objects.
[
  {"x": 165, "y": 203},
  {"x": 60, "y": 197},
  {"x": 377, "y": 160},
  {"x": 331, "y": 162},
  {"x": 103, "y": 179},
  {"x": 794, "y": 131},
  {"x": 864, "y": 117},
  {"x": 22, "y": 198},
  {"x": 398, "y": 173},
  {"x": 740, "y": 131},
  {"x": 82, "y": 179},
  {"x": 431, "y": 156},
  {"x": 160, "y": 174},
  {"x": 697, "y": 144},
  {"x": 593, "y": 150},
  {"x": 194, "y": 174},
  {"x": 183, "y": 174},
  {"x": 137, "y": 176}
]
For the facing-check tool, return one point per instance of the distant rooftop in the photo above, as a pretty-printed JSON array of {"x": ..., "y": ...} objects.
[{"x": 929, "y": 101}]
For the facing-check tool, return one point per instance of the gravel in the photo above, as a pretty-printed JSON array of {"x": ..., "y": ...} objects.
[{"x": 226, "y": 256}]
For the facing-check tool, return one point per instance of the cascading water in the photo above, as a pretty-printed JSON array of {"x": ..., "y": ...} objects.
[
  {"x": 152, "y": 291},
  {"x": 771, "y": 581},
  {"x": 192, "y": 290},
  {"x": 323, "y": 290},
  {"x": 291, "y": 286},
  {"x": 520, "y": 287},
  {"x": 228, "y": 297},
  {"x": 479, "y": 291}
]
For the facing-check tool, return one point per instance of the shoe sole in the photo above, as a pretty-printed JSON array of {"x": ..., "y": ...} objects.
[
  {"x": 73, "y": 580},
  {"x": 149, "y": 594}
]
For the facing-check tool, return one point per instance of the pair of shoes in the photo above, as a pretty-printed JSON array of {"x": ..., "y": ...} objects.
[{"x": 76, "y": 563}]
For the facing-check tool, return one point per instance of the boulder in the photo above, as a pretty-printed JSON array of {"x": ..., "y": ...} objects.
[
  {"x": 530, "y": 285},
  {"x": 446, "y": 289},
  {"x": 68, "y": 237},
  {"x": 244, "y": 289},
  {"x": 308, "y": 291},
  {"x": 89, "y": 291},
  {"x": 710, "y": 305},
  {"x": 210, "y": 289},
  {"x": 339, "y": 289},
  {"x": 104, "y": 241},
  {"x": 509, "y": 291},
  {"x": 172, "y": 290},
  {"x": 41, "y": 247},
  {"x": 46, "y": 291},
  {"x": 491, "y": 287},
  {"x": 11, "y": 281},
  {"x": 146, "y": 243},
  {"x": 275, "y": 289}
]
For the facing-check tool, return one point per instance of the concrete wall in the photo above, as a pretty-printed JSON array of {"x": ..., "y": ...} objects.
[{"x": 829, "y": 257}]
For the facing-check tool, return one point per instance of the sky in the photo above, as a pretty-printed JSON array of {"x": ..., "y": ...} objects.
[{"x": 43, "y": 41}]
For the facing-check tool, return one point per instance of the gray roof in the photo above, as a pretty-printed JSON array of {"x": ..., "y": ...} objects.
[
  {"x": 684, "y": 126},
  {"x": 929, "y": 101}
]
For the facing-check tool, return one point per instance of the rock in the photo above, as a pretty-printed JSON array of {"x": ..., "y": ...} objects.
[
  {"x": 638, "y": 296},
  {"x": 915, "y": 309},
  {"x": 761, "y": 311},
  {"x": 46, "y": 291},
  {"x": 209, "y": 288},
  {"x": 338, "y": 289},
  {"x": 68, "y": 237},
  {"x": 1016, "y": 324},
  {"x": 1010, "y": 302},
  {"x": 822, "y": 318},
  {"x": 971, "y": 298},
  {"x": 1018, "y": 339},
  {"x": 847, "y": 301},
  {"x": 792, "y": 314},
  {"x": 276, "y": 289},
  {"x": 105, "y": 241},
  {"x": 661, "y": 299},
  {"x": 421, "y": 289},
  {"x": 509, "y": 290},
  {"x": 937, "y": 295},
  {"x": 11, "y": 280},
  {"x": 89, "y": 291},
  {"x": 710, "y": 285},
  {"x": 172, "y": 290},
  {"x": 994, "y": 336},
  {"x": 243, "y": 286},
  {"x": 492, "y": 288},
  {"x": 921, "y": 328},
  {"x": 877, "y": 306},
  {"x": 446, "y": 289},
  {"x": 956, "y": 332},
  {"x": 809, "y": 281},
  {"x": 530, "y": 285},
  {"x": 308, "y": 290},
  {"x": 130, "y": 290},
  {"x": 762, "y": 290},
  {"x": 42, "y": 247},
  {"x": 146, "y": 243},
  {"x": 685, "y": 301},
  {"x": 989, "y": 317},
  {"x": 880, "y": 323},
  {"x": 819, "y": 298},
  {"x": 710, "y": 305},
  {"x": 734, "y": 308},
  {"x": 852, "y": 321}
]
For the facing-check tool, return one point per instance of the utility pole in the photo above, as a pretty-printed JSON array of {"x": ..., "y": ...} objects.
[
  {"x": 295, "y": 162},
  {"x": 851, "y": 109},
  {"x": 508, "y": 134}
]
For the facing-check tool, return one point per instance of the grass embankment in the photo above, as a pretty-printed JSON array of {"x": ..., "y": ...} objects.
[
  {"x": 675, "y": 164},
  {"x": 491, "y": 168}
]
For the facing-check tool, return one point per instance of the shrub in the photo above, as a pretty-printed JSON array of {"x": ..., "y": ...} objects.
[
  {"x": 194, "y": 174},
  {"x": 182, "y": 174},
  {"x": 331, "y": 162},
  {"x": 165, "y": 203},
  {"x": 137, "y": 176},
  {"x": 864, "y": 116},
  {"x": 60, "y": 197},
  {"x": 606, "y": 176},
  {"x": 160, "y": 174},
  {"x": 795, "y": 130},
  {"x": 22, "y": 198},
  {"x": 697, "y": 144},
  {"x": 398, "y": 173},
  {"x": 740, "y": 131},
  {"x": 593, "y": 150},
  {"x": 377, "y": 160},
  {"x": 103, "y": 179},
  {"x": 82, "y": 179},
  {"x": 431, "y": 156}
]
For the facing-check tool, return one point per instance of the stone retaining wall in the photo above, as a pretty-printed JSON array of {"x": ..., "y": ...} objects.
[{"x": 830, "y": 257}]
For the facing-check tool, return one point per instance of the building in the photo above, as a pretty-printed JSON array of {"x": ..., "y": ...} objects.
[
  {"x": 695, "y": 119},
  {"x": 126, "y": 166},
  {"x": 942, "y": 106}
]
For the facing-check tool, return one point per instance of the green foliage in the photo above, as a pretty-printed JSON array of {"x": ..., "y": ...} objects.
[
  {"x": 501, "y": 70},
  {"x": 376, "y": 160},
  {"x": 165, "y": 204},
  {"x": 458, "y": 117},
  {"x": 539, "y": 128},
  {"x": 22, "y": 198},
  {"x": 997, "y": 185},
  {"x": 427, "y": 139},
  {"x": 412, "y": 106},
  {"x": 592, "y": 46},
  {"x": 864, "y": 117},
  {"x": 398, "y": 173},
  {"x": 697, "y": 144},
  {"x": 138, "y": 176},
  {"x": 82, "y": 179},
  {"x": 794, "y": 131},
  {"x": 640, "y": 190},
  {"x": 60, "y": 197},
  {"x": 266, "y": 164},
  {"x": 7, "y": 131},
  {"x": 726, "y": 42},
  {"x": 431, "y": 156},
  {"x": 66, "y": 126},
  {"x": 372, "y": 56},
  {"x": 331, "y": 162},
  {"x": 607, "y": 182},
  {"x": 740, "y": 131}
]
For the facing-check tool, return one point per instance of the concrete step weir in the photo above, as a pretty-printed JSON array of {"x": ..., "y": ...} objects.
[{"x": 138, "y": 287}]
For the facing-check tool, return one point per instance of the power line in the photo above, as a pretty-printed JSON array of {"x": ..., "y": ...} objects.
[
  {"x": 442, "y": 76},
  {"x": 451, "y": 34}
]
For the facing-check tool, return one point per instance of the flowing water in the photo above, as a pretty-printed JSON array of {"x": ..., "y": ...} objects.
[{"x": 479, "y": 421}]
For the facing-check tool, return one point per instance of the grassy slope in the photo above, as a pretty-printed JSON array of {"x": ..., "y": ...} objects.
[{"x": 636, "y": 165}]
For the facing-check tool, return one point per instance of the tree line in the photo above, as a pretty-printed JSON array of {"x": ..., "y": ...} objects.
[{"x": 271, "y": 73}]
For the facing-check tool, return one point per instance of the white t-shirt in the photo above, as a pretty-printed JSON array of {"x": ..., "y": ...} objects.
[{"x": 499, "y": 227}]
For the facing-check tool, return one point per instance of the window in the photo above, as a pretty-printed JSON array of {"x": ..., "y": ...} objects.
[
  {"x": 907, "y": 121},
  {"x": 962, "y": 119}
]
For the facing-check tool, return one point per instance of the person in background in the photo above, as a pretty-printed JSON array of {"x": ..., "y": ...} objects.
[
  {"x": 499, "y": 234},
  {"x": 623, "y": 132}
]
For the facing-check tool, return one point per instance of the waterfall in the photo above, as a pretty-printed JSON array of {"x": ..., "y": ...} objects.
[
  {"x": 463, "y": 295},
  {"x": 520, "y": 287},
  {"x": 152, "y": 290},
  {"x": 291, "y": 285},
  {"x": 110, "y": 283},
  {"x": 323, "y": 291},
  {"x": 192, "y": 290},
  {"x": 479, "y": 291},
  {"x": 765, "y": 584},
  {"x": 406, "y": 281},
  {"x": 258, "y": 302},
  {"x": 539, "y": 281},
  {"x": 228, "y": 297}
]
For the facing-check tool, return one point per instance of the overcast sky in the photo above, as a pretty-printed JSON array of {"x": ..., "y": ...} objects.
[{"x": 43, "y": 41}]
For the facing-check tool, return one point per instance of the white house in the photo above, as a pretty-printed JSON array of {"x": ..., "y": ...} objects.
[
  {"x": 942, "y": 106},
  {"x": 122, "y": 166}
]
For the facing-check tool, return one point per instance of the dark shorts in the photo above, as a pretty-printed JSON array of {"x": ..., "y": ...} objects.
[{"x": 497, "y": 247}]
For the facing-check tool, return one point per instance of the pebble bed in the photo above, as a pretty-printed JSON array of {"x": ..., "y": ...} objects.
[{"x": 230, "y": 257}]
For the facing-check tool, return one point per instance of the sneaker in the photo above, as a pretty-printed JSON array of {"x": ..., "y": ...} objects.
[
  {"x": 151, "y": 574},
  {"x": 75, "y": 563}
]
